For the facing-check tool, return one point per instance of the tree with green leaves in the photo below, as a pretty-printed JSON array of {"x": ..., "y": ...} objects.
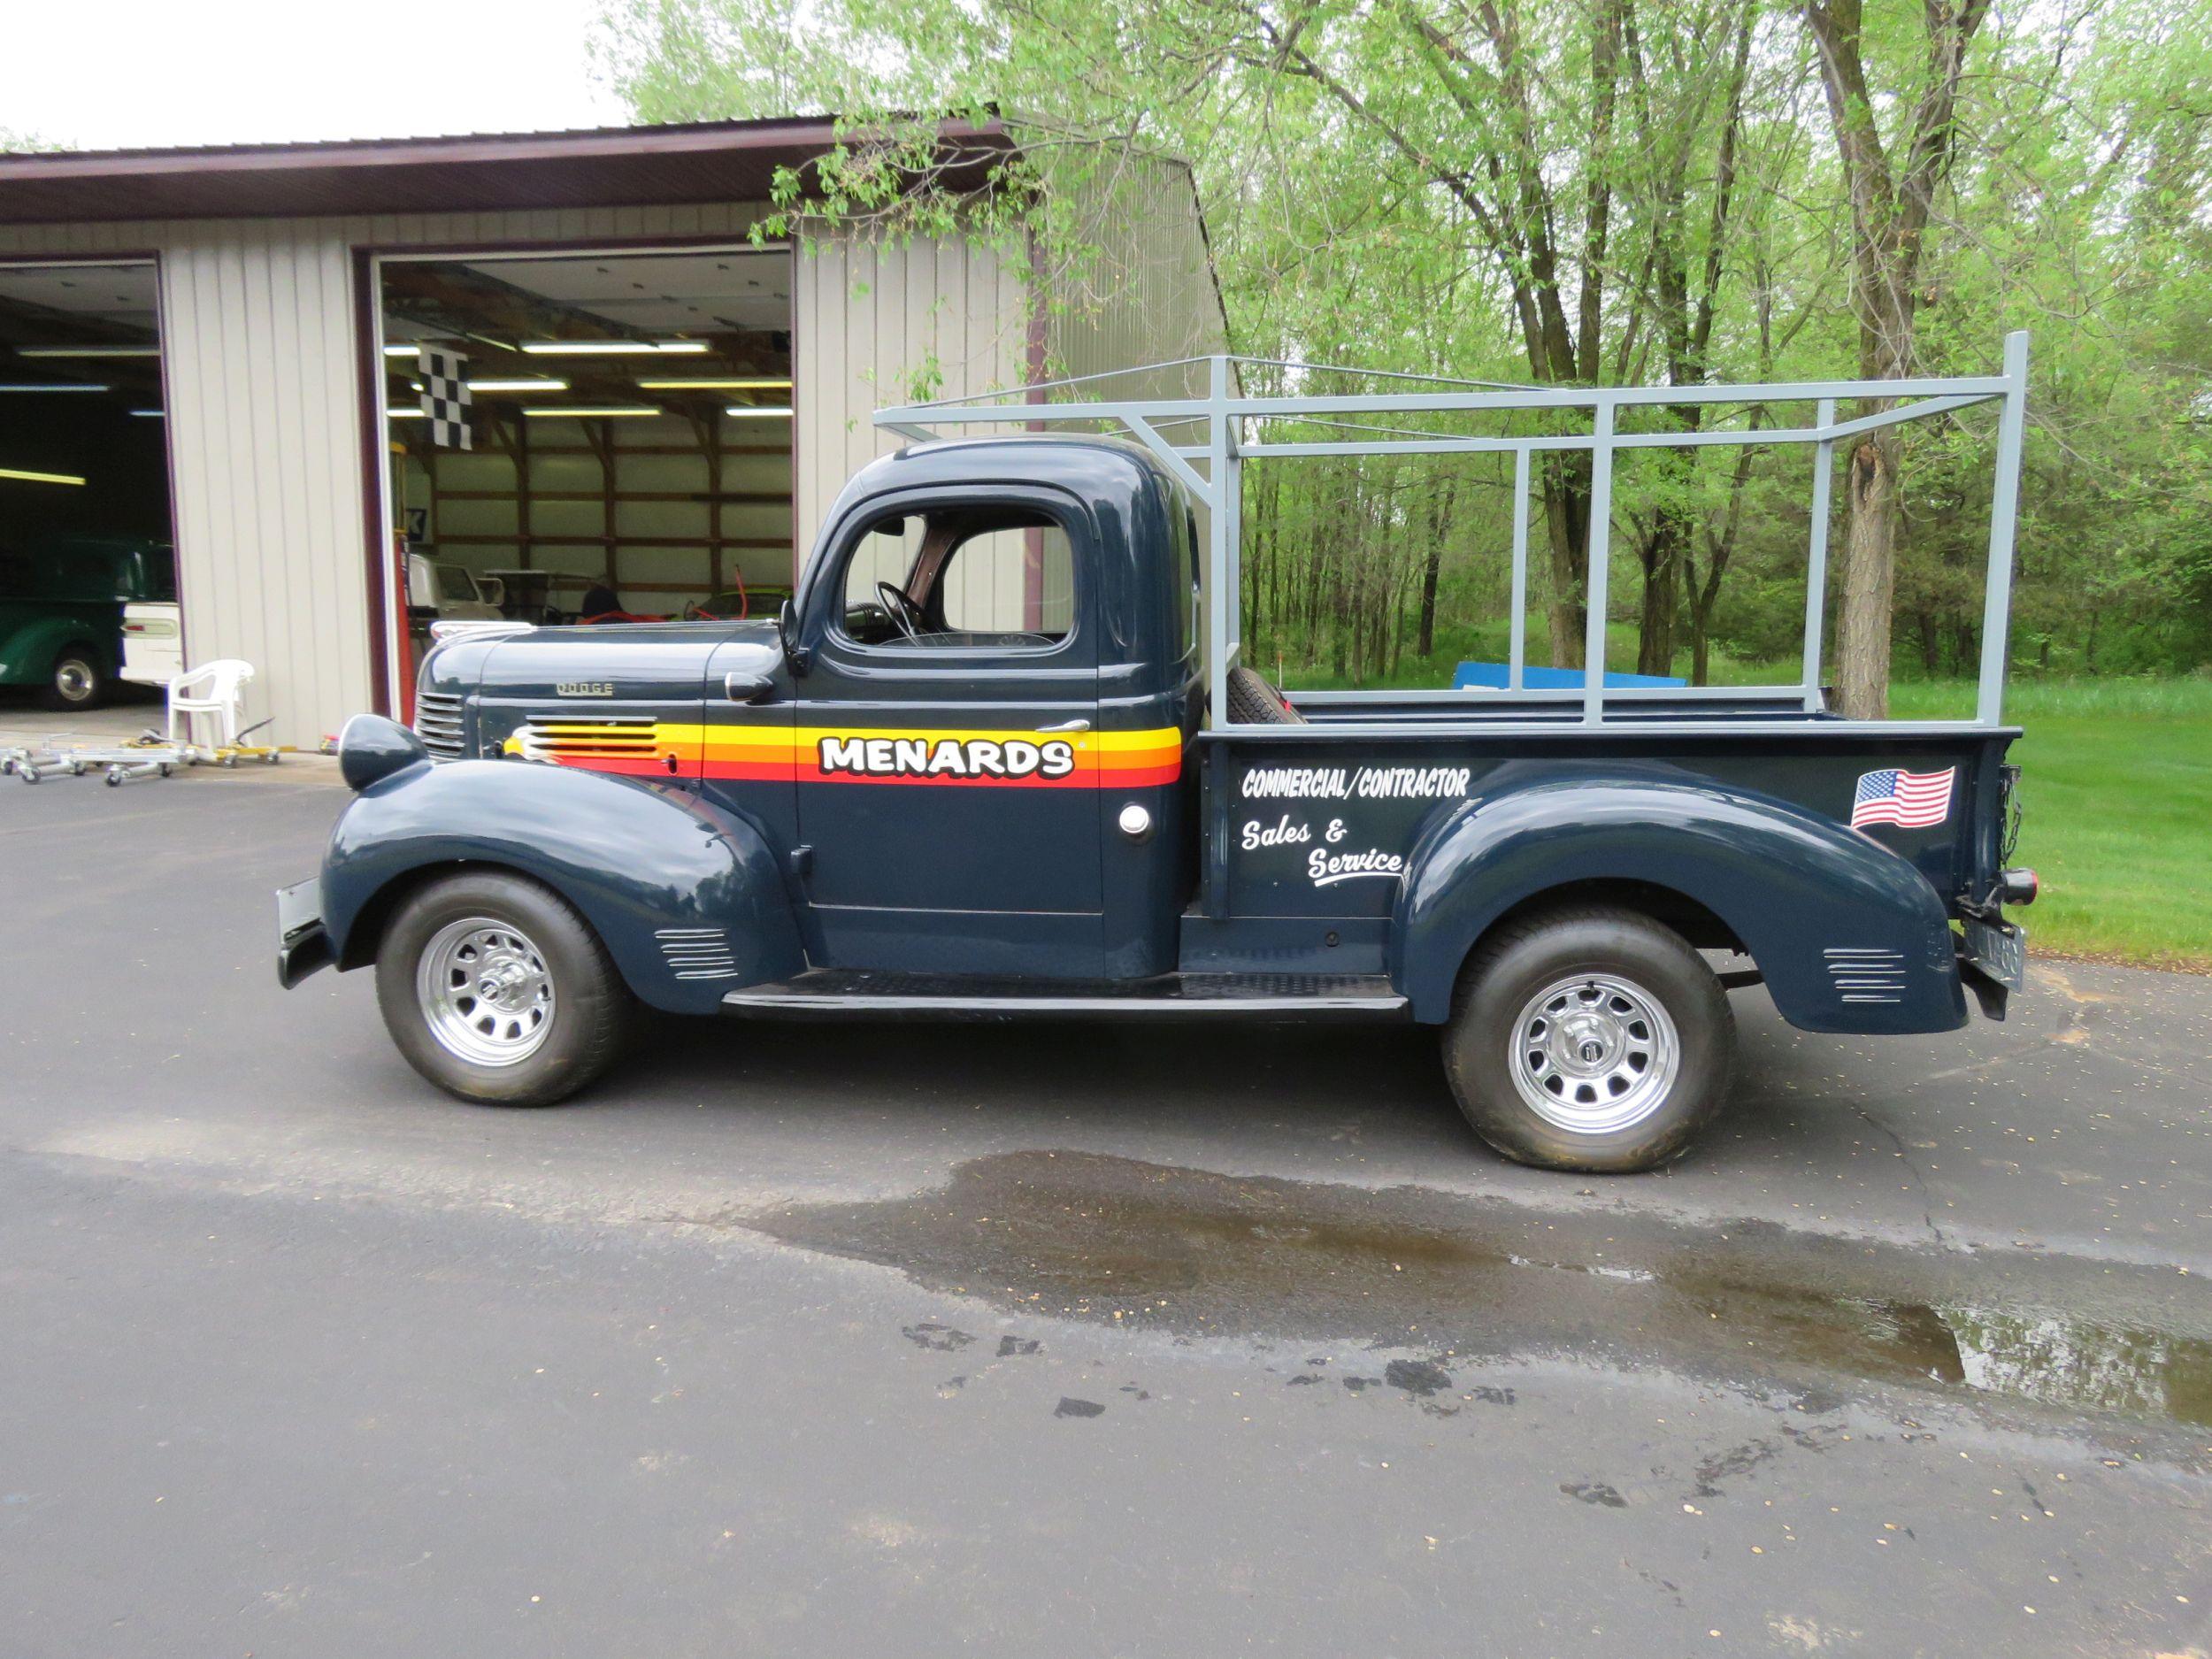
[{"x": 1645, "y": 191}]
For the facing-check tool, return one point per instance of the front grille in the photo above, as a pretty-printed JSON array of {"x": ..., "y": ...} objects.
[
  {"x": 1865, "y": 974},
  {"x": 438, "y": 723},
  {"x": 698, "y": 953},
  {"x": 567, "y": 737}
]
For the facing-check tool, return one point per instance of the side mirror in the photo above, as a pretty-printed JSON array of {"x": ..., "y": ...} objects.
[
  {"x": 788, "y": 636},
  {"x": 491, "y": 591},
  {"x": 740, "y": 688}
]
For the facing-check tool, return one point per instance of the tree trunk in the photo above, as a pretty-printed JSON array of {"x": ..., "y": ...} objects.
[
  {"x": 1869, "y": 579},
  {"x": 1662, "y": 559},
  {"x": 1892, "y": 205},
  {"x": 1567, "y": 519},
  {"x": 1440, "y": 527}
]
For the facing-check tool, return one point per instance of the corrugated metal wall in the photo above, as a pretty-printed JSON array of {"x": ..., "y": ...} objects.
[
  {"x": 871, "y": 320},
  {"x": 259, "y": 328},
  {"x": 1148, "y": 294}
]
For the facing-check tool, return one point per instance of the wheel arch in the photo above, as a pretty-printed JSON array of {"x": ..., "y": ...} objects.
[
  {"x": 365, "y": 938},
  {"x": 39, "y": 646},
  {"x": 646, "y": 867},
  {"x": 1724, "y": 867}
]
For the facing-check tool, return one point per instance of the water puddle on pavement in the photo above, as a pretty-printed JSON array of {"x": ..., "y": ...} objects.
[{"x": 1116, "y": 1241}]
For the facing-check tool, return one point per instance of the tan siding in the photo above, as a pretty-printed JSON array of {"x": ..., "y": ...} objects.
[
  {"x": 871, "y": 315},
  {"x": 1149, "y": 295}
]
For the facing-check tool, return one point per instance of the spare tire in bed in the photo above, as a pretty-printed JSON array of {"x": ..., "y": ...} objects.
[{"x": 1253, "y": 701}]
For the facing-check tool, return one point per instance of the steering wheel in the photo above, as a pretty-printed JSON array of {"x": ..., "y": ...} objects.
[{"x": 905, "y": 615}]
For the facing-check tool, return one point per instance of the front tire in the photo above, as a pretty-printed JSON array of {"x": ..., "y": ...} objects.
[
  {"x": 1592, "y": 1040},
  {"x": 496, "y": 990}
]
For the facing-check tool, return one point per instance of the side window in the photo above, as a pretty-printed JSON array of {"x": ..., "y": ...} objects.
[{"x": 985, "y": 577}]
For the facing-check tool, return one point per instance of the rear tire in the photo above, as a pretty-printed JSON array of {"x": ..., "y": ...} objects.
[
  {"x": 496, "y": 990},
  {"x": 77, "y": 680},
  {"x": 1592, "y": 1040}
]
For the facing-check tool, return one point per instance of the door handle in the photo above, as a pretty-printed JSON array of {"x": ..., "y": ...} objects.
[{"x": 1064, "y": 725}]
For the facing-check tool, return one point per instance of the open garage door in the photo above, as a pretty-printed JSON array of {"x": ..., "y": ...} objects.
[
  {"x": 601, "y": 438},
  {"x": 85, "y": 533}
]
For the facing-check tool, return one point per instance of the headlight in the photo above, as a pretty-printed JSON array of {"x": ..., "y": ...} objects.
[{"x": 372, "y": 748}]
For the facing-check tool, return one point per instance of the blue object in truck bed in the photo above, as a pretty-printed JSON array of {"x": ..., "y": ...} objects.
[{"x": 1494, "y": 677}]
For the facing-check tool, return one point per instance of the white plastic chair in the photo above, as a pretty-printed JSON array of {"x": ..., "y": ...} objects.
[{"x": 215, "y": 691}]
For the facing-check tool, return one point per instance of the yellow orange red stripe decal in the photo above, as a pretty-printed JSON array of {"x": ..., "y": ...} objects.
[{"x": 990, "y": 758}]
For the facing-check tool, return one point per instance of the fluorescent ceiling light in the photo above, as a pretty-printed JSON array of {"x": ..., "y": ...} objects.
[
  {"x": 403, "y": 414},
  {"x": 52, "y": 386},
  {"x": 758, "y": 411},
  {"x": 39, "y": 478},
  {"x": 716, "y": 386},
  {"x": 88, "y": 351},
  {"x": 614, "y": 348},
  {"x": 149, "y": 414},
  {"x": 411, "y": 351},
  {"x": 609, "y": 413},
  {"x": 517, "y": 386}
]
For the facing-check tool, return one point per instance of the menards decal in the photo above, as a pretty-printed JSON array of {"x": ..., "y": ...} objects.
[{"x": 973, "y": 757}]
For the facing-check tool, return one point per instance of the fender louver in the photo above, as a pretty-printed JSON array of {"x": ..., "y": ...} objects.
[{"x": 556, "y": 737}]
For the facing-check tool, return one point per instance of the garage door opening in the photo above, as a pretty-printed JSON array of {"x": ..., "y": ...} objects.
[
  {"x": 86, "y": 544},
  {"x": 596, "y": 438}
]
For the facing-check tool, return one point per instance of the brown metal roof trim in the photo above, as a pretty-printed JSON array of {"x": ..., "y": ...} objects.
[{"x": 706, "y": 161}]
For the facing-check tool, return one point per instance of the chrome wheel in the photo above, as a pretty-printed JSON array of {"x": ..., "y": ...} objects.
[
  {"x": 1594, "y": 1054},
  {"x": 74, "y": 680},
  {"x": 485, "y": 992}
]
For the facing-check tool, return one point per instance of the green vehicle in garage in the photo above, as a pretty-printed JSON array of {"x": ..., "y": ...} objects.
[{"x": 61, "y": 611}]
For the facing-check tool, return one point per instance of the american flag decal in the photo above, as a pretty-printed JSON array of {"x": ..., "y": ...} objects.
[{"x": 1910, "y": 800}]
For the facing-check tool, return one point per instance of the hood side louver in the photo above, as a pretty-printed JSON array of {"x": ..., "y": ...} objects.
[{"x": 560, "y": 737}]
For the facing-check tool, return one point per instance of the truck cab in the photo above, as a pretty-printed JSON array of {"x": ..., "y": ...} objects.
[{"x": 985, "y": 764}]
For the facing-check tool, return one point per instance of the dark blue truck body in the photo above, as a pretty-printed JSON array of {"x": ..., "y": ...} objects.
[
  {"x": 759, "y": 815},
  {"x": 670, "y": 806}
]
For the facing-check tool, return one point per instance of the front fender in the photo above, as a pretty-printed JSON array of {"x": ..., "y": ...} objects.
[
  {"x": 1848, "y": 936},
  {"x": 663, "y": 878}
]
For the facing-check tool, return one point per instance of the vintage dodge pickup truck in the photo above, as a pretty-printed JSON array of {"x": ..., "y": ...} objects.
[{"x": 999, "y": 756}]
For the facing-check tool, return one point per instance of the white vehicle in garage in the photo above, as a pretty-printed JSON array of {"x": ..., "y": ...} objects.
[
  {"x": 153, "y": 642},
  {"x": 450, "y": 591}
]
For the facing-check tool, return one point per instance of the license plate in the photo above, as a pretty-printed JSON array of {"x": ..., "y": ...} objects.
[{"x": 2000, "y": 949}]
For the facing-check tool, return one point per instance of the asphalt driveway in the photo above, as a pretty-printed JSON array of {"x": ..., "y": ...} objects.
[{"x": 913, "y": 1339}]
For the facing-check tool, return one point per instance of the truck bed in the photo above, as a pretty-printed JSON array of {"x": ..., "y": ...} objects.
[{"x": 1306, "y": 821}]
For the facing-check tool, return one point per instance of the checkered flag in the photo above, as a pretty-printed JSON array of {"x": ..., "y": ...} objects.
[{"x": 445, "y": 397}]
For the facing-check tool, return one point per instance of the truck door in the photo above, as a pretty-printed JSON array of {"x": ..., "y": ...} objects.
[{"x": 946, "y": 757}]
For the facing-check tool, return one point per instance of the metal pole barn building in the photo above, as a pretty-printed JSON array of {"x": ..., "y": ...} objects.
[{"x": 239, "y": 351}]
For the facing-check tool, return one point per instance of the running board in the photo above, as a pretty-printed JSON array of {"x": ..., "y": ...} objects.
[{"x": 828, "y": 991}]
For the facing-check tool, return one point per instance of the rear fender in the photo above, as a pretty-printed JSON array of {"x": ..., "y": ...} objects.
[
  {"x": 30, "y": 652},
  {"x": 1848, "y": 936},
  {"x": 662, "y": 878}
]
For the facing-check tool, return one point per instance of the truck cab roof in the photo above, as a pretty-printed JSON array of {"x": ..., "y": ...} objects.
[{"x": 1083, "y": 464}]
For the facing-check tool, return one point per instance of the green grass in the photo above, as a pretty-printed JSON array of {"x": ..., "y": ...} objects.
[{"x": 2117, "y": 791}]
